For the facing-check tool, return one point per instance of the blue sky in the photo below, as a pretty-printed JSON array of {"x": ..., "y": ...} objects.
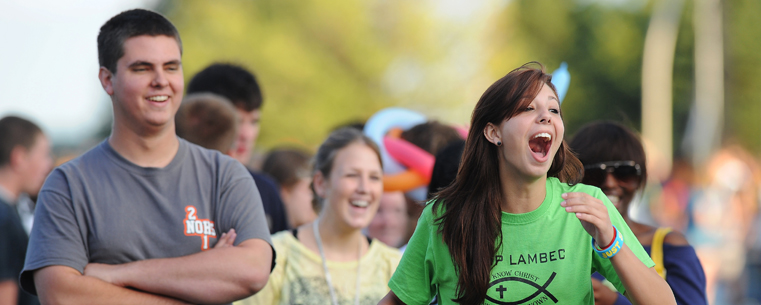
[{"x": 49, "y": 64}]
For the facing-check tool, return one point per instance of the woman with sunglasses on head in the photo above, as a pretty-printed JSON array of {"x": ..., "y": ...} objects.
[
  {"x": 329, "y": 260},
  {"x": 513, "y": 228},
  {"x": 614, "y": 161}
]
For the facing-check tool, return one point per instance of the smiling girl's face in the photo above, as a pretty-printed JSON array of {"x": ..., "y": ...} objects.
[
  {"x": 532, "y": 137},
  {"x": 353, "y": 190}
]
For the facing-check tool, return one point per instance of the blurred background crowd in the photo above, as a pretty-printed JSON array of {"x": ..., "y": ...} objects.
[{"x": 683, "y": 73}]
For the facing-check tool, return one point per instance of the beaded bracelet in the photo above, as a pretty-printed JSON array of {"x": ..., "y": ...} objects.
[{"x": 613, "y": 248}]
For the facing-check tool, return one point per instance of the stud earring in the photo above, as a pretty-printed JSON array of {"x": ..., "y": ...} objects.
[{"x": 499, "y": 143}]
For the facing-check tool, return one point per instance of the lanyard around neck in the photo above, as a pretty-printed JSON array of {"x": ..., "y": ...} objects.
[{"x": 325, "y": 265}]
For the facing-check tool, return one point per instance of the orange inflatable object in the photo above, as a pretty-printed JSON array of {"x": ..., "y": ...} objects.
[
  {"x": 404, "y": 181},
  {"x": 395, "y": 133}
]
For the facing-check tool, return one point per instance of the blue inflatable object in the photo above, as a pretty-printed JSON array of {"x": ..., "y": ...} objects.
[
  {"x": 562, "y": 80},
  {"x": 383, "y": 121}
]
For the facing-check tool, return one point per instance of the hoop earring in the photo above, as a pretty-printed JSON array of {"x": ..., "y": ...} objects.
[{"x": 499, "y": 143}]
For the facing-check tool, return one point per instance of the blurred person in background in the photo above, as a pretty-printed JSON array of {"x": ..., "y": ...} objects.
[
  {"x": 752, "y": 276},
  {"x": 723, "y": 214},
  {"x": 25, "y": 161},
  {"x": 291, "y": 170},
  {"x": 508, "y": 218},
  {"x": 146, "y": 217},
  {"x": 208, "y": 120},
  {"x": 398, "y": 212},
  {"x": 330, "y": 261},
  {"x": 614, "y": 161},
  {"x": 391, "y": 224},
  {"x": 240, "y": 87},
  {"x": 671, "y": 206}
]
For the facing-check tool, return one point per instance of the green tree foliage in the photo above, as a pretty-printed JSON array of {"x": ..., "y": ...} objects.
[
  {"x": 324, "y": 64},
  {"x": 602, "y": 43},
  {"x": 321, "y": 65},
  {"x": 742, "y": 47},
  {"x": 316, "y": 66}
]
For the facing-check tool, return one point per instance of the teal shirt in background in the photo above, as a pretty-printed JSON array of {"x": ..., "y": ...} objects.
[{"x": 546, "y": 257}]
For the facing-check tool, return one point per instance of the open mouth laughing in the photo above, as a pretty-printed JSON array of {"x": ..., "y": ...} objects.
[{"x": 540, "y": 145}]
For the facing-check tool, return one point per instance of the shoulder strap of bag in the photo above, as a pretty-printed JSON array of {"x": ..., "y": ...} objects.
[{"x": 656, "y": 250}]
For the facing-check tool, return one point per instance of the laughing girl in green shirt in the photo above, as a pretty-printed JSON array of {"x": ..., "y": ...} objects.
[{"x": 515, "y": 227}]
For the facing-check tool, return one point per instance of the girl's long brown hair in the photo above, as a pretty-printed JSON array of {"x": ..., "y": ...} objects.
[{"x": 470, "y": 224}]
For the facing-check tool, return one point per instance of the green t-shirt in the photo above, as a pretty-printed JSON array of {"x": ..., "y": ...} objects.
[{"x": 546, "y": 257}]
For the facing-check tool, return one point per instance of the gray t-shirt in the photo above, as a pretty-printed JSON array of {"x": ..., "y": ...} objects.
[{"x": 101, "y": 208}]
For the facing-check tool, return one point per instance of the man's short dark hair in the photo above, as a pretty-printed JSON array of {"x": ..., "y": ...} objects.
[
  {"x": 231, "y": 81},
  {"x": 208, "y": 120},
  {"x": 15, "y": 131},
  {"x": 126, "y": 25}
]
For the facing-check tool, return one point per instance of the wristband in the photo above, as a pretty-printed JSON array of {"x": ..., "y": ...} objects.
[
  {"x": 615, "y": 231},
  {"x": 613, "y": 248}
]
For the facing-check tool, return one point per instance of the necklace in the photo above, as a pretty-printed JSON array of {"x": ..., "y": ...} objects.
[{"x": 325, "y": 266}]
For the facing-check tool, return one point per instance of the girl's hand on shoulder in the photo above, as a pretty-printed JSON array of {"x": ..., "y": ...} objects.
[{"x": 593, "y": 215}]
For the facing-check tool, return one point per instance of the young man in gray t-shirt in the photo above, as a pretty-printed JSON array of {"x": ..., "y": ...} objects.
[{"x": 136, "y": 219}]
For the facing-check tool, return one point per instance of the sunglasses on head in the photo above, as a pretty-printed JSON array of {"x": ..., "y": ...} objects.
[{"x": 624, "y": 171}]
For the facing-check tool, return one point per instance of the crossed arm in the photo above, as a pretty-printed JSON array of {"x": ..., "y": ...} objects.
[{"x": 219, "y": 275}]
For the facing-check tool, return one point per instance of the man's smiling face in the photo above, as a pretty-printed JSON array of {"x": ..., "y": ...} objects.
[{"x": 148, "y": 85}]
